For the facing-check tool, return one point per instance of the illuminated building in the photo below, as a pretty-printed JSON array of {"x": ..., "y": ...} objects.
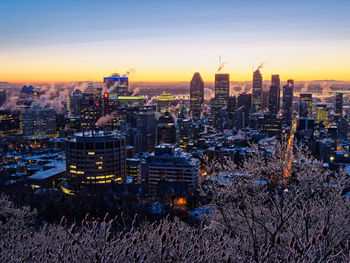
[
  {"x": 185, "y": 133},
  {"x": 222, "y": 93},
  {"x": 288, "y": 101},
  {"x": 305, "y": 107},
  {"x": 73, "y": 125},
  {"x": 338, "y": 109},
  {"x": 274, "y": 95},
  {"x": 37, "y": 122},
  {"x": 133, "y": 170},
  {"x": 196, "y": 95},
  {"x": 244, "y": 103},
  {"x": 222, "y": 89},
  {"x": 169, "y": 164},
  {"x": 257, "y": 90},
  {"x": 90, "y": 108},
  {"x": 271, "y": 125},
  {"x": 117, "y": 84},
  {"x": 322, "y": 114},
  {"x": 131, "y": 100},
  {"x": 95, "y": 159},
  {"x": 166, "y": 130},
  {"x": 9, "y": 123},
  {"x": 60, "y": 124},
  {"x": 164, "y": 102}
]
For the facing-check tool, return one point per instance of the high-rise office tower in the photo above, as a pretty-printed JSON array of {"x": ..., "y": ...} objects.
[
  {"x": 244, "y": 103},
  {"x": 196, "y": 95},
  {"x": 322, "y": 114},
  {"x": 90, "y": 108},
  {"x": 338, "y": 109},
  {"x": 95, "y": 159},
  {"x": 273, "y": 99},
  {"x": 257, "y": 90},
  {"x": 288, "y": 101},
  {"x": 185, "y": 133},
  {"x": 222, "y": 93},
  {"x": 275, "y": 94},
  {"x": 116, "y": 84},
  {"x": 305, "y": 107},
  {"x": 37, "y": 122},
  {"x": 222, "y": 88},
  {"x": 275, "y": 81}
]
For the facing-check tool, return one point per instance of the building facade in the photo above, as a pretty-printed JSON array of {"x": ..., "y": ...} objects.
[
  {"x": 95, "y": 159},
  {"x": 196, "y": 95}
]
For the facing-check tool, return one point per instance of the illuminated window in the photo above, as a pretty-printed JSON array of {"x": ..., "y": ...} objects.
[
  {"x": 91, "y": 153},
  {"x": 73, "y": 166}
]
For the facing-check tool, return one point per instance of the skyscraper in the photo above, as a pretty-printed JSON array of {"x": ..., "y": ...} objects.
[
  {"x": 90, "y": 108},
  {"x": 222, "y": 93},
  {"x": 288, "y": 101},
  {"x": 244, "y": 103},
  {"x": 222, "y": 88},
  {"x": 338, "y": 109},
  {"x": 257, "y": 90},
  {"x": 196, "y": 95},
  {"x": 273, "y": 99},
  {"x": 305, "y": 107},
  {"x": 275, "y": 93},
  {"x": 322, "y": 114},
  {"x": 185, "y": 133},
  {"x": 117, "y": 84}
]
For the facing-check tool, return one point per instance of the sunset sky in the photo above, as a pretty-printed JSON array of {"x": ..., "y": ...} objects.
[{"x": 75, "y": 40}]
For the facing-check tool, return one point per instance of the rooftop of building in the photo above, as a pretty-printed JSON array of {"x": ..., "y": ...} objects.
[{"x": 94, "y": 136}]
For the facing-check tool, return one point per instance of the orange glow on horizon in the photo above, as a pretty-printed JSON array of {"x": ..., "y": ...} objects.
[{"x": 165, "y": 78}]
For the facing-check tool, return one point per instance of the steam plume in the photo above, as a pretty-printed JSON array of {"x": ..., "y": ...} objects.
[{"x": 104, "y": 119}]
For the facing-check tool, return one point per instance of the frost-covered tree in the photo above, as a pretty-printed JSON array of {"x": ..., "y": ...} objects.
[{"x": 258, "y": 215}]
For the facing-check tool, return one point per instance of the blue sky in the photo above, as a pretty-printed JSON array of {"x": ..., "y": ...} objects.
[{"x": 27, "y": 26}]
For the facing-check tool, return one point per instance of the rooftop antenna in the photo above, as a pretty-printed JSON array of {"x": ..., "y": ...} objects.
[{"x": 219, "y": 62}]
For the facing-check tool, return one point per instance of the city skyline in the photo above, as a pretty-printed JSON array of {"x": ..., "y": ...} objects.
[{"x": 62, "y": 42}]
